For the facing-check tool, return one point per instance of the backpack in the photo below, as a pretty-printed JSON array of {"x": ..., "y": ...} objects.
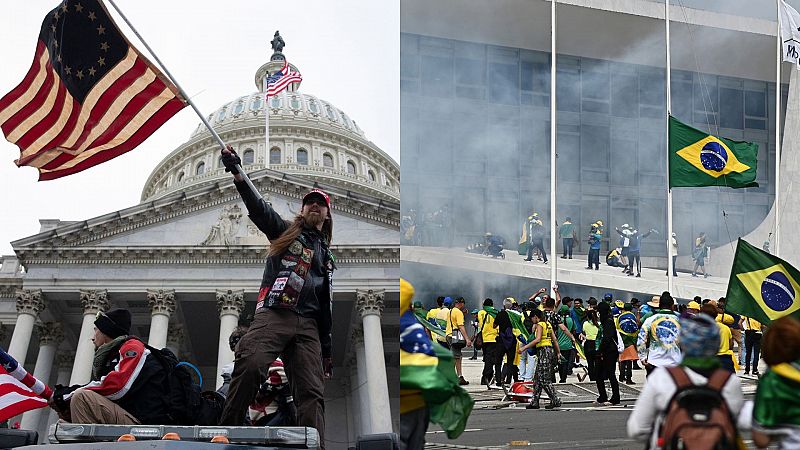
[
  {"x": 187, "y": 404},
  {"x": 697, "y": 416}
]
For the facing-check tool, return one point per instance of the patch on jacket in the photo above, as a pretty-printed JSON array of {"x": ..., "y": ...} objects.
[{"x": 131, "y": 354}]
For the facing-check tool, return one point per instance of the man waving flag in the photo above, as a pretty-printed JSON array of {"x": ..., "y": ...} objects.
[
  {"x": 700, "y": 159},
  {"x": 88, "y": 97}
]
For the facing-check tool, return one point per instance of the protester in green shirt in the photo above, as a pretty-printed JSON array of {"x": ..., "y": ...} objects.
[{"x": 565, "y": 344}]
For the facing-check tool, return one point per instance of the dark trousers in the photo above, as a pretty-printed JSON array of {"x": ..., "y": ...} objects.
[
  {"x": 594, "y": 257},
  {"x": 674, "y": 265},
  {"x": 492, "y": 361},
  {"x": 591, "y": 359},
  {"x": 537, "y": 244},
  {"x": 606, "y": 370},
  {"x": 567, "y": 247},
  {"x": 727, "y": 362},
  {"x": 510, "y": 369},
  {"x": 565, "y": 365},
  {"x": 274, "y": 333},
  {"x": 413, "y": 425},
  {"x": 634, "y": 258},
  {"x": 752, "y": 343}
]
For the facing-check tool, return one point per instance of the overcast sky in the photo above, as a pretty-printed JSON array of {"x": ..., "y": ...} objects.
[{"x": 213, "y": 50}]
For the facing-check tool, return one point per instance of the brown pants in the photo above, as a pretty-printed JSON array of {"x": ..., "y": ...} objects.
[
  {"x": 274, "y": 333},
  {"x": 91, "y": 407}
]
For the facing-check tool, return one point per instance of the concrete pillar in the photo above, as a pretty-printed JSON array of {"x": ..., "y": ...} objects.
[
  {"x": 93, "y": 301},
  {"x": 64, "y": 362},
  {"x": 370, "y": 306},
  {"x": 30, "y": 303},
  {"x": 362, "y": 382},
  {"x": 230, "y": 304},
  {"x": 50, "y": 336},
  {"x": 176, "y": 334},
  {"x": 162, "y": 305}
]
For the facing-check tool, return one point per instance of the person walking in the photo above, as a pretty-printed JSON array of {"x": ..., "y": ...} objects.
[
  {"x": 457, "y": 336},
  {"x": 699, "y": 255},
  {"x": 492, "y": 354},
  {"x": 567, "y": 234},
  {"x": 657, "y": 342},
  {"x": 591, "y": 326},
  {"x": 293, "y": 308},
  {"x": 752, "y": 343},
  {"x": 607, "y": 354},
  {"x": 547, "y": 351},
  {"x": 565, "y": 344}
]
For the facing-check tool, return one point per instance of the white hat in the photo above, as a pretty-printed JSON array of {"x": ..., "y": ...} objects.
[
  {"x": 624, "y": 225},
  {"x": 674, "y": 234}
]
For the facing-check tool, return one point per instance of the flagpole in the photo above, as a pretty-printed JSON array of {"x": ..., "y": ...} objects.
[
  {"x": 266, "y": 114},
  {"x": 775, "y": 248},
  {"x": 670, "y": 265},
  {"x": 183, "y": 94},
  {"x": 553, "y": 115}
]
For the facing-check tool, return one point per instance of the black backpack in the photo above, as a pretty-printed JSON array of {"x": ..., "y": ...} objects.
[{"x": 187, "y": 404}]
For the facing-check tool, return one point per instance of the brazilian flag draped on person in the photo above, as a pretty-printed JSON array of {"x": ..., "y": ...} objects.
[
  {"x": 427, "y": 373},
  {"x": 762, "y": 286},
  {"x": 697, "y": 158},
  {"x": 421, "y": 316}
]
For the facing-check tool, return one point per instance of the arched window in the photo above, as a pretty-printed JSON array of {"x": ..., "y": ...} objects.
[
  {"x": 180, "y": 177},
  {"x": 312, "y": 106},
  {"x": 239, "y": 108},
  {"x": 275, "y": 155},
  {"x": 327, "y": 160},
  {"x": 295, "y": 102},
  {"x": 351, "y": 167},
  {"x": 371, "y": 175},
  {"x": 248, "y": 156},
  {"x": 221, "y": 115},
  {"x": 302, "y": 156},
  {"x": 331, "y": 114},
  {"x": 201, "y": 169},
  {"x": 256, "y": 105},
  {"x": 275, "y": 102}
]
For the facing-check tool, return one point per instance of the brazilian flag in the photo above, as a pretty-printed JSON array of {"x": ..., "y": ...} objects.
[
  {"x": 762, "y": 286},
  {"x": 700, "y": 159}
]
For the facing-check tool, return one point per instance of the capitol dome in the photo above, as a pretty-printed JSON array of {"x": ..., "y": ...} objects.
[{"x": 308, "y": 137}]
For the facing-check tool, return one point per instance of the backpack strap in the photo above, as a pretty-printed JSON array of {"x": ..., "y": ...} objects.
[
  {"x": 680, "y": 377},
  {"x": 718, "y": 379}
]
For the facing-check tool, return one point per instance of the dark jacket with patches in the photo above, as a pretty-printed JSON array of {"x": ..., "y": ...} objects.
[{"x": 316, "y": 279}]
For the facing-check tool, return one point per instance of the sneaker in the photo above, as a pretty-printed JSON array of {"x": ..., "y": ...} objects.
[
  {"x": 563, "y": 257},
  {"x": 756, "y": 373},
  {"x": 596, "y": 268},
  {"x": 630, "y": 274},
  {"x": 528, "y": 259},
  {"x": 533, "y": 405},
  {"x": 694, "y": 275},
  {"x": 590, "y": 267},
  {"x": 638, "y": 275},
  {"x": 462, "y": 381},
  {"x": 746, "y": 371}
]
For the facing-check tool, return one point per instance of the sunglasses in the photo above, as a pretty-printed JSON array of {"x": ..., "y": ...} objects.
[{"x": 317, "y": 201}]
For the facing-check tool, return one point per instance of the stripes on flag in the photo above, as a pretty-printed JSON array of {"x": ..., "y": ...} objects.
[
  {"x": 64, "y": 120},
  {"x": 19, "y": 390},
  {"x": 281, "y": 79}
]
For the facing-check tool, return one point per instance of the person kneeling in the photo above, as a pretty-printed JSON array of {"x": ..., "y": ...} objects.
[{"x": 128, "y": 383}]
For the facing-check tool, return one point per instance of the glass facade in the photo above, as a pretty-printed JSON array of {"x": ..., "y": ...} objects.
[{"x": 475, "y": 136}]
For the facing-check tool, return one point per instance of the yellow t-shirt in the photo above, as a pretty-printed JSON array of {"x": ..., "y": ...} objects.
[
  {"x": 752, "y": 324},
  {"x": 442, "y": 319},
  {"x": 432, "y": 313},
  {"x": 724, "y": 340},
  {"x": 547, "y": 340},
  {"x": 455, "y": 319},
  {"x": 489, "y": 332},
  {"x": 591, "y": 330}
]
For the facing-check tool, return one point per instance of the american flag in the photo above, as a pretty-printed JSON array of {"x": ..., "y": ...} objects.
[
  {"x": 88, "y": 97},
  {"x": 281, "y": 79},
  {"x": 19, "y": 390}
]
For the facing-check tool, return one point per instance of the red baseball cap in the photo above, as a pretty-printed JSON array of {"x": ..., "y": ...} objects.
[{"x": 319, "y": 193}]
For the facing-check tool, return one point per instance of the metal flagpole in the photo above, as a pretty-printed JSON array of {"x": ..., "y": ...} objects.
[
  {"x": 776, "y": 247},
  {"x": 553, "y": 229},
  {"x": 670, "y": 265},
  {"x": 183, "y": 94},
  {"x": 266, "y": 115}
]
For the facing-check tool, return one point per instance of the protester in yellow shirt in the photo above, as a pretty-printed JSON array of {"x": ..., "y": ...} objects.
[
  {"x": 752, "y": 344},
  {"x": 457, "y": 336},
  {"x": 725, "y": 354},
  {"x": 492, "y": 354},
  {"x": 433, "y": 313}
]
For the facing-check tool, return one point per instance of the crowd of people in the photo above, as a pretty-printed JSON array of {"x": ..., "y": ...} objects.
[{"x": 547, "y": 339}]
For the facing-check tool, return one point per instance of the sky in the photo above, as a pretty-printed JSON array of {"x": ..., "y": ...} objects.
[{"x": 213, "y": 51}]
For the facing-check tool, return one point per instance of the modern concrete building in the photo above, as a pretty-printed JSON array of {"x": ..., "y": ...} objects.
[
  {"x": 475, "y": 122},
  {"x": 187, "y": 262}
]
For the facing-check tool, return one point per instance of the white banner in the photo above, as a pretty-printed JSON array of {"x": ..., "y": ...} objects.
[{"x": 790, "y": 33}]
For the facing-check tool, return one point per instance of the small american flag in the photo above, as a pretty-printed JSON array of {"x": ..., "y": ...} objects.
[
  {"x": 281, "y": 79},
  {"x": 19, "y": 390},
  {"x": 89, "y": 96}
]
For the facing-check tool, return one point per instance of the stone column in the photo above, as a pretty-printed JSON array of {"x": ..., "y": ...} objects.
[
  {"x": 64, "y": 362},
  {"x": 175, "y": 336},
  {"x": 362, "y": 381},
  {"x": 370, "y": 306},
  {"x": 50, "y": 336},
  {"x": 29, "y": 304},
  {"x": 93, "y": 301},
  {"x": 230, "y": 304},
  {"x": 162, "y": 305}
]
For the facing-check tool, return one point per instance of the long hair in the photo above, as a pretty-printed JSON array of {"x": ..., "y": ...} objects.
[{"x": 279, "y": 246}]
